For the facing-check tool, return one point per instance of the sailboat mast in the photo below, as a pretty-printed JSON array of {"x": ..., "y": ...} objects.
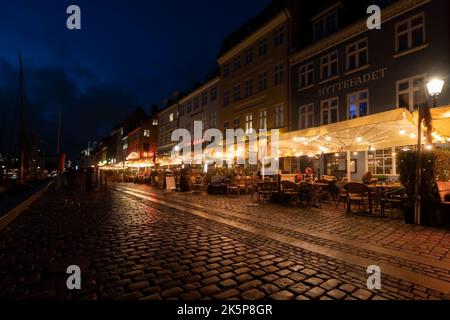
[{"x": 21, "y": 124}]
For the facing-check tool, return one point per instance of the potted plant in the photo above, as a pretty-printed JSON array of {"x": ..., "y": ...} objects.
[{"x": 407, "y": 168}]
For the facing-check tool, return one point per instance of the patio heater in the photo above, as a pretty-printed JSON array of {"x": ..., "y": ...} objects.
[{"x": 434, "y": 88}]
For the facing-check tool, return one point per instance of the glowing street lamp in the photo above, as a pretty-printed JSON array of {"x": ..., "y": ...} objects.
[{"x": 434, "y": 88}]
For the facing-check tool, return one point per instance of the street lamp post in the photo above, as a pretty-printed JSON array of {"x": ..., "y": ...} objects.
[{"x": 434, "y": 88}]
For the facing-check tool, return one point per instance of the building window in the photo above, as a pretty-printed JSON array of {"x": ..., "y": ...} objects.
[
  {"x": 410, "y": 33},
  {"x": 279, "y": 74},
  {"x": 358, "y": 104},
  {"x": 237, "y": 93},
  {"x": 237, "y": 124},
  {"x": 204, "y": 98},
  {"x": 357, "y": 54},
  {"x": 306, "y": 116},
  {"x": 189, "y": 107},
  {"x": 171, "y": 117},
  {"x": 380, "y": 161},
  {"x": 263, "y": 47},
  {"x": 248, "y": 55},
  {"x": 146, "y": 133},
  {"x": 213, "y": 120},
  {"x": 213, "y": 93},
  {"x": 226, "y": 70},
  {"x": 181, "y": 110},
  {"x": 279, "y": 37},
  {"x": 263, "y": 81},
  {"x": 226, "y": 98},
  {"x": 249, "y": 123},
  {"x": 329, "y": 111},
  {"x": 279, "y": 116},
  {"x": 237, "y": 63},
  {"x": 329, "y": 66},
  {"x": 325, "y": 26},
  {"x": 306, "y": 75},
  {"x": 411, "y": 92},
  {"x": 146, "y": 147},
  {"x": 155, "y": 122},
  {"x": 248, "y": 88},
  {"x": 196, "y": 102},
  {"x": 226, "y": 126},
  {"x": 263, "y": 119}
]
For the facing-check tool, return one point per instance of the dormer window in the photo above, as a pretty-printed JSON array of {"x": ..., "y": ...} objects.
[{"x": 325, "y": 24}]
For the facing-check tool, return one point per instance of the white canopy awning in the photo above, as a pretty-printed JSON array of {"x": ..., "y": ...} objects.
[{"x": 386, "y": 129}]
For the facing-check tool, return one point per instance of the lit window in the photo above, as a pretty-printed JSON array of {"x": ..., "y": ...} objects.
[
  {"x": 357, "y": 54},
  {"x": 171, "y": 117},
  {"x": 263, "y": 119},
  {"x": 146, "y": 133},
  {"x": 329, "y": 66},
  {"x": 249, "y": 123},
  {"x": 329, "y": 111},
  {"x": 410, "y": 33},
  {"x": 306, "y": 116},
  {"x": 358, "y": 104},
  {"x": 306, "y": 75}
]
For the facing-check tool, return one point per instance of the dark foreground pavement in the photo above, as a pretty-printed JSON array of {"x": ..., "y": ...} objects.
[{"x": 136, "y": 243}]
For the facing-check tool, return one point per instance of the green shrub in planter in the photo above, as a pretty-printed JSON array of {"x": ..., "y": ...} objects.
[{"x": 407, "y": 168}]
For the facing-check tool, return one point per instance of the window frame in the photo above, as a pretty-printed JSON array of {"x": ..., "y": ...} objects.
[
  {"x": 322, "y": 102},
  {"x": 358, "y": 102},
  {"x": 409, "y": 30},
  {"x": 356, "y": 54},
  {"x": 305, "y": 115},
  {"x": 329, "y": 65},
  {"x": 410, "y": 92},
  {"x": 303, "y": 71}
]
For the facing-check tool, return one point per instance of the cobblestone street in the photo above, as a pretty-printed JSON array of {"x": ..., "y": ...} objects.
[{"x": 135, "y": 242}]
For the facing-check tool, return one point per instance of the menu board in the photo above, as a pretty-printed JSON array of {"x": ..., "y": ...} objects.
[{"x": 170, "y": 183}]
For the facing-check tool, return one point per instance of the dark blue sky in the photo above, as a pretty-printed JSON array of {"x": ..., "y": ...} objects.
[{"x": 127, "y": 53}]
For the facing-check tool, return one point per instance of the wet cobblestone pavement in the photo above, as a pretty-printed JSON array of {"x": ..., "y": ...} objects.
[{"x": 135, "y": 242}]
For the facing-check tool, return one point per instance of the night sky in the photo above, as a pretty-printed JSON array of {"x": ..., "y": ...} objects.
[{"x": 127, "y": 53}]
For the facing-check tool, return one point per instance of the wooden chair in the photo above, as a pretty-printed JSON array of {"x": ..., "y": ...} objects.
[
  {"x": 265, "y": 190},
  {"x": 392, "y": 199},
  {"x": 338, "y": 193},
  {"x": 358, "y": 193},
  {"x": 306, "y": 193},
  {"x": 290, "y": 190},
  {"x": 233, "y": 188}
]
